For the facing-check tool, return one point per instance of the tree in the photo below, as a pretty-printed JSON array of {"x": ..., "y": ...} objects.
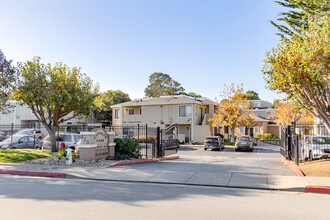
[
  {"x": 8, "y": 76},
  {"x": 232, "y": 110},
  {"x": 102, "y": 111},
  {"x": 299, "y": 67},
  {"x": 54, "y": 93},
  {"x": 251, "y": 95},
  {"x": 297, "y": 17},
  {"x": 191, "y": 94},
  {"x": 287, "y": 113},
  {"x": 161, "y": 84}
]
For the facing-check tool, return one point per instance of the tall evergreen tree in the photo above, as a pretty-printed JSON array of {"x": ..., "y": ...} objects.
[
  {"x": 298, "y": 15},
  {"x": 161, "y": 84}
]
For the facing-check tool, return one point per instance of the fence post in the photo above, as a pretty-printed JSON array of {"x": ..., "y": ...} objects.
[
  {"x": 289, "y": 142},
  {"x": 11, "y": 138},
  {"x": 138, "y": 134},
  {"x": 34, "y": 136},
  {"x": 146, "y": 141},
  {"x": 158, "y": 142}
]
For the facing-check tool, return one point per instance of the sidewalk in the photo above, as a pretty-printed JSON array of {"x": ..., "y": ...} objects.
[{"x": 220, "y": 179}]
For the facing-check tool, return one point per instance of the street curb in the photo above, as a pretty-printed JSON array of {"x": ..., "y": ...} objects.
[
  {"x": 32, "y": 173},
  {"x": 141, "y": 161},
  {"x": 293, "y": 167},
  {"x": 318, "y": 189}
]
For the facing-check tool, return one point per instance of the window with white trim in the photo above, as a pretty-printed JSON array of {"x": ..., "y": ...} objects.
[
  {"x": 184, "y": 111},
  {"x": 242, "y": 129},
  {"x": 116, "y": 113},
  {"x": 256, "y": 129}
]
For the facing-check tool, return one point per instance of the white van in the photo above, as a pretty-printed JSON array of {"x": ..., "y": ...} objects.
[{"x": 65, "y": 140}]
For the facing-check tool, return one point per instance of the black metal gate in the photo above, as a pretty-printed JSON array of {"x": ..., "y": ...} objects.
[{"x": 167, "y": 142}]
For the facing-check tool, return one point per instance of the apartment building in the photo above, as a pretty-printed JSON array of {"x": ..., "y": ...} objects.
[{"x": 190, "y": 114}]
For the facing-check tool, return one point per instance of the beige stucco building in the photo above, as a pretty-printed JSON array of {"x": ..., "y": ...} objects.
[{"x": 190, "y": 114}]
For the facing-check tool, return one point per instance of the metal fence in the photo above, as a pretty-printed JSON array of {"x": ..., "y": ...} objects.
[
  {"x": 153, "y": 142},
  {"x": 302, "y": 142},
  {"x": 271, "y": 141}
]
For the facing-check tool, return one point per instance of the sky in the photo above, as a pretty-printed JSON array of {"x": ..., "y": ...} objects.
[{"x": 118, "y": 43}]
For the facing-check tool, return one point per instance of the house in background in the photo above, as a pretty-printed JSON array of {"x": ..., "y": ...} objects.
[
  {"x": 190, "y": 114},
  {"x": 263, "y": 112},
  {"x": 21, "y": 116}
]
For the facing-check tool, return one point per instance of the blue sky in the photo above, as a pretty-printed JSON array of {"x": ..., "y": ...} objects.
[{"x": 119, "y": 43}]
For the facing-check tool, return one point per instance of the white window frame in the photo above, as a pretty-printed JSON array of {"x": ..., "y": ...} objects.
[
  {"x": 186, "y": 115},
  {"x": 257, "y": 129},
  {"x": 117, "y": 114},
  {"x": 242, "y": 129}
]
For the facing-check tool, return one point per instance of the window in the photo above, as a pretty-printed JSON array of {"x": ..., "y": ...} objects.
[
  {"x": 131, "y": 111},
  {"x": 116, "y": 113},
  {"x": 184, "y": 111},
  {"x": 24, "y": 139},
  {"x": 242, "y": 129},
  {"x": 256, "y": 129},
  {"x": 31, "y": 139},
  {"x": 257, "y": 104},
  {"x": 76, "y": 138},
  {"x": 196, "y": 110},
  {"x": 67, "y": 138}
]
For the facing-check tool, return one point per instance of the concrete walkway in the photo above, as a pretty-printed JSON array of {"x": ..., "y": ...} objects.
[{"x": 221, "y": 179}]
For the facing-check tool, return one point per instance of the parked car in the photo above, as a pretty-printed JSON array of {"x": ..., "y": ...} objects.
[
  {"x": 169, "y": 142},
  {"x": 64, "y": 140},
  {"x": 315, "y": 147},
  {"x": 3, "y": 136},
  {"x": 10, "y": 132},
  {"x": 214, "y": 142},
  {"x": 244, "y": 142},
  {"x": 37, "y": 133},
  {"x": 21, "y": 141}
]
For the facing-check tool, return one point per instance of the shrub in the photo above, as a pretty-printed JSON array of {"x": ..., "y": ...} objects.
[
  {"x": 257, "y": 136},
  {"x": 227, "y": 142},
  {"x": 61, "y": 153},
  {"x": 126, "y": 148},
  {"x": 142, "y": 139},
  {"x": 193, "y": 142},
  {"x": 181, "y": 141},
  {"x": 74, "y": 157},
  {"x": 269, "y": 136}
]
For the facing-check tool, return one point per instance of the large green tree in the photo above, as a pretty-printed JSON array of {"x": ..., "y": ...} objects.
[
  {"x": 300, "y": 68},
  {"x": 251, "y": 95},
  {"x": 102, "y": 111},
  {"x": 7, "y": 79},
  {"x": 54, "y": 93},
  {"x": 161, "y": 84},
  {"x": 292, "y": 21}
]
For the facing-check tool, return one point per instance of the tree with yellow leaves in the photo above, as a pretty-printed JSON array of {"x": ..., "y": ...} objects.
[
  {"x": 287, "y": 113},
  {"x": 233, "y": 109}
]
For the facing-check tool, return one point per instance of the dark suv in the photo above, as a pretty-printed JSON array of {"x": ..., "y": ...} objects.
[{"x": 214, "y": 142}]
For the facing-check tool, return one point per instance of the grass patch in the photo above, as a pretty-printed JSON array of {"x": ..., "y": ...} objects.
[
  {"x": 229, "y": 143},
  {"x": 20, "y": 155},
  {"x": 319, "y": 168}
]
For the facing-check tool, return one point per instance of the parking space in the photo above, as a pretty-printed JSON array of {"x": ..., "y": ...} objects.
[{"x": 264, "y": 160}]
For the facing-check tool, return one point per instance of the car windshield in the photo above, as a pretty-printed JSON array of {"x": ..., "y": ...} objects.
[
  {"x": 23, "y": 132},
  {"x": 15, "y": 139},
  {"x": 212, "y": 139},
  {"x": 321, "y": 140},
  {"x": 243, "y": 139}
]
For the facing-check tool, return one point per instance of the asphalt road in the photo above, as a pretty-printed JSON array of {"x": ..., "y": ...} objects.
[
  {"x": 47, "y": 198},
  {"x": 263, "y": 160}
]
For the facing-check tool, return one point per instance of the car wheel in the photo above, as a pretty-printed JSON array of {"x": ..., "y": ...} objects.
[
  {"x": 236, "y": 149},
  {"x": 205, "y": 148}
]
